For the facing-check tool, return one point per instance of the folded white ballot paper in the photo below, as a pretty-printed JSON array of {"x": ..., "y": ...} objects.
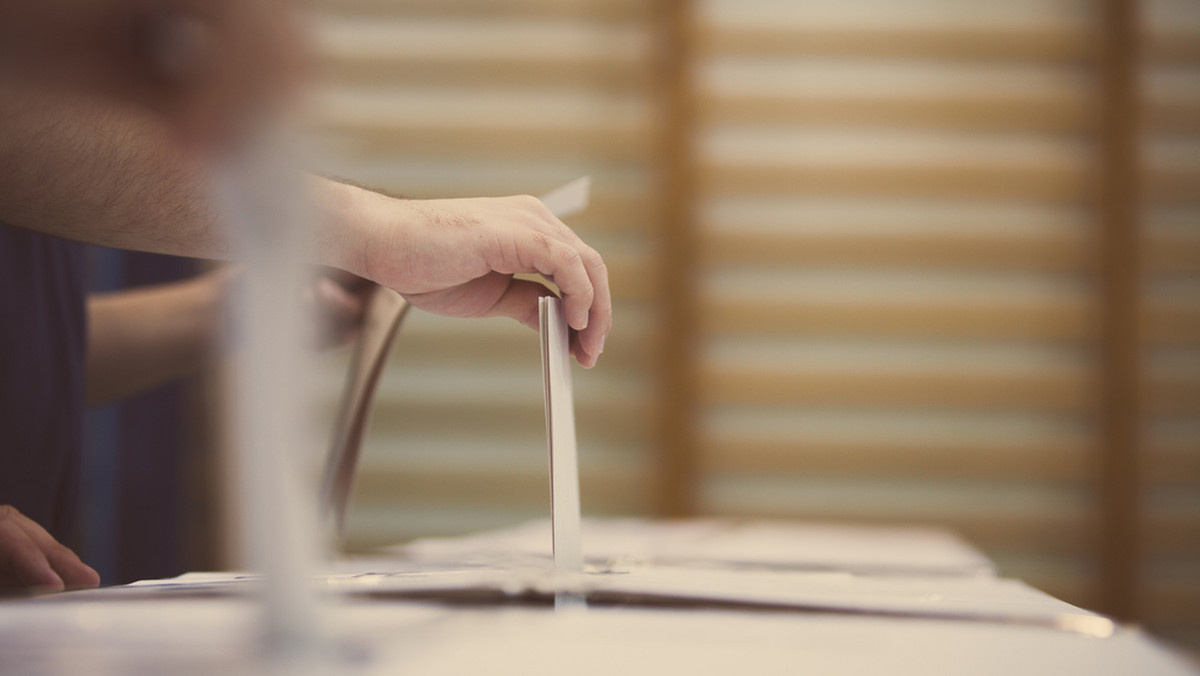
[
  {"x": 560, "y": 403},
  {"x": 560, "y": 435}
]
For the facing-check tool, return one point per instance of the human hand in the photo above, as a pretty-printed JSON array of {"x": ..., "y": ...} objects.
[
  {"x": 31, "y": 558},
  {"x": 458, "y": 257}
]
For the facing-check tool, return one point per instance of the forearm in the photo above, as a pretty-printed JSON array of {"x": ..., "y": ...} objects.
[
  {"x": 102, "y": 173},
  {"x": 145, "y": 337}
]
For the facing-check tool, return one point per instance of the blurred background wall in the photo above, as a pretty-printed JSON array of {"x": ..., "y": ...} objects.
[{"x": 874, "y": 261}]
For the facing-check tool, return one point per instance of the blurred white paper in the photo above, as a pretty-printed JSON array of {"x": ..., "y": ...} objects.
[
  {"x": 560, "y": 435},
  {"x": 570, "y": 198},
  {"x": 565, "y": 515}
]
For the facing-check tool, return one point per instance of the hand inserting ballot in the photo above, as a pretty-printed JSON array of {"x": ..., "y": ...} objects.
[{"x": 458, "y": 257}]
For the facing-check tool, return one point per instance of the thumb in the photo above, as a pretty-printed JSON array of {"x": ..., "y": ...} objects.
[{"x": 520, "y": 301}]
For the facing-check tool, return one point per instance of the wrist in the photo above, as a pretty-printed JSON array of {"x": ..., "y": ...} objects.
[{"x": 349, "y": 219}]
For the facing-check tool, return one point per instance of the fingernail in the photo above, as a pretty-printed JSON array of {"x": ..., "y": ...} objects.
[{"x": 602, "y": 339}]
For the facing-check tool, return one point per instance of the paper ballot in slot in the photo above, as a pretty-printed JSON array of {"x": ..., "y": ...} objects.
[{"x": 560, "y": 435}]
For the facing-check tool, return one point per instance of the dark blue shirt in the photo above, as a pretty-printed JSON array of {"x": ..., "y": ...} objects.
[{"x": 43, "y": 334}]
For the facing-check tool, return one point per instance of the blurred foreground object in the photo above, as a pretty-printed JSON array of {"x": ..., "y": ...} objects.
[{"x": 204, "y": 65}]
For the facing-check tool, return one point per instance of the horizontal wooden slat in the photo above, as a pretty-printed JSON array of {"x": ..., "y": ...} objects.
[
  {"x": 1172, "y": 534},
  {"x": 1172, "y": 322},
  {"x": 600, "y": 489},
  {"x": 611, "y": 71},
  {"x": 993, "y": 111},
  {"x": 1173, "y": 393},
  {"x": 1048, "y": 182},
  {"x": 1046, "y": 251},
  {"x": 629, "y": 279},
  {"x": 1043, "y": 43},
  {"x": 1040, "y": 391},
  {"x": 584, "y": 9},
  {"x": 980, "y": 248},
  {"x": 1175, "y": 114},
  {"x": 494, "y": 389},
  {"x": 1164, "y": 464},
  {"x": 1172, "y": 253},
  {"x": 1040, "y": 319},
  {"x": 627, "y": 214},
  {"x": 1173, "y": 185},
  {"x": 525, "y": 138},
  {"x": 623, "y": 351},
  {"x": 1172, "y": 462},
  {"x": 994, "y": 319},
  {"x": 973, "y": 458},
  {"x": 1180, "y": 45},
  {"x": 623, "y": 421}
]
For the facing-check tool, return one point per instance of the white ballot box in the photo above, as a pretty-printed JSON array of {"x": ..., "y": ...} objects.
[{"x": 700, "y": 597}]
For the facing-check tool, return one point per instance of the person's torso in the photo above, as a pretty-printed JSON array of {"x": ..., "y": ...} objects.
[{"x": 43, "y": 334}]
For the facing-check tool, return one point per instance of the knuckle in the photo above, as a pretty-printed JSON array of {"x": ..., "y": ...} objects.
[
  {"x": 8, "y": 512},
  {"x": 569, "y": 256},
  {"x": 544, "y": 241},
  {"x": 595, "y": 260}
]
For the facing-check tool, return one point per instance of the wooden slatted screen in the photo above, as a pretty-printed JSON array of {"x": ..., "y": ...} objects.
[
  {"x": 1170, "y": 565},
  {"x": 898, "y": 246},
  {"x": 856, "y": 253},
  {"x": 467, "y": 98}
]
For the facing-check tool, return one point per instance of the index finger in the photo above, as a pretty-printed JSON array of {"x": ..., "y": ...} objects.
[
  {"x": 595, "y": 306},
  {"x": 591, "y": 339}
]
